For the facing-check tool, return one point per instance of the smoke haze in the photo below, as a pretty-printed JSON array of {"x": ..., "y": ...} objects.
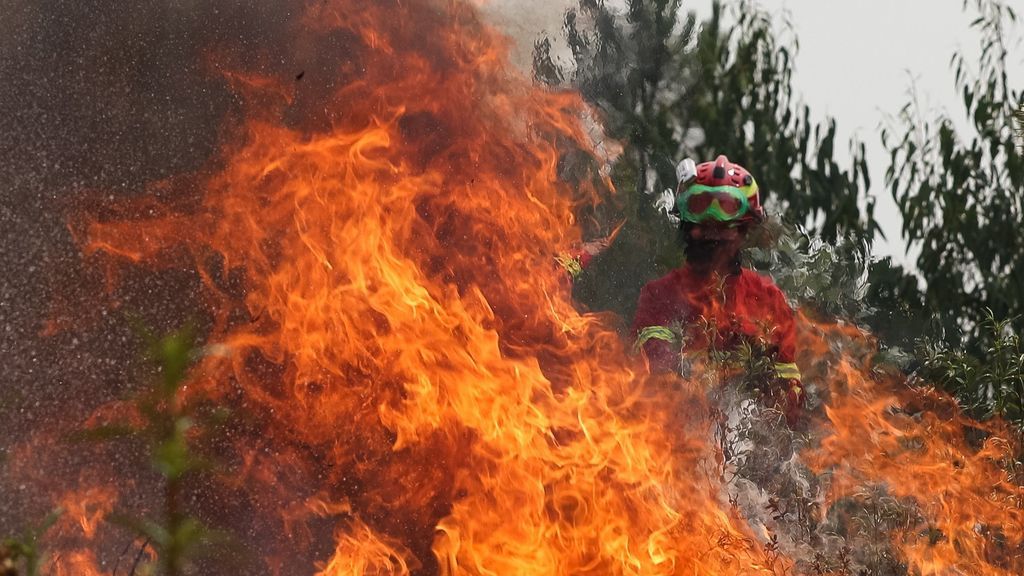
[
  {"x": 106, "y": 96},
  {"x": 528, "y": 21}
]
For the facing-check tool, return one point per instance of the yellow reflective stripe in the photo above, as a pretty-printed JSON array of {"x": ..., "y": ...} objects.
[
  {"x": 572, "y": 265},
  {"x": 788, "y": 371},
  {"x": 656, "y": 333}
]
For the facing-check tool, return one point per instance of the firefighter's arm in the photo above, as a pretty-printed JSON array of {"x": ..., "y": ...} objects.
[
  {"x": 575, "y": 261},
  {"x": 789, "y": 374},
  {"x": 659, "y": 344},
  {"x": 786, "y": 371},
  {"x": 794, "y": 399}
]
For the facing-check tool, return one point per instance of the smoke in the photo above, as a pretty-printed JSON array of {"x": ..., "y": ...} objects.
[
  {"x": 105, "y": 97},
  {"x": 95, "y": 95},
  {"x": 527, "y": 21}
]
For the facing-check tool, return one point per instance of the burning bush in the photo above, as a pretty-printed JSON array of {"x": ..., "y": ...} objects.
[{"x": 414, "y": 391}]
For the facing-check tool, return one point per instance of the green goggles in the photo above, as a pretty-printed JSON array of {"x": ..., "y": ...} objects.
[{"x": 718, "y": 203}]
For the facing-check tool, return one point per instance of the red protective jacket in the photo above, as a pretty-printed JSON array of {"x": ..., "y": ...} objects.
[{"x": 739, "y": 305}]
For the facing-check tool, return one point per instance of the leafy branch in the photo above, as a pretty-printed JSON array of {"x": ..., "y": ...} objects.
[
  {"x": 990, "y": 386},
  {"x": 24, "y": 549},
  {"x": 960, "y": 193},
  {"x": 167, "y": 423}
]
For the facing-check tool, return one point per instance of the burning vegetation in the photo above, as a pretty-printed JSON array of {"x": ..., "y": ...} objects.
[{"x": 391, "y": 375}]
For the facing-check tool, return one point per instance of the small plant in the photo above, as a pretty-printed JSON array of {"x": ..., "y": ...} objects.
[
  {"x": 990, "y": 385},
  {"x": 168, "y": 421},
  {"x": 24, "y": 549},
  {"x": 829, "y": 277},
  {"x": 165, "y": 424}
]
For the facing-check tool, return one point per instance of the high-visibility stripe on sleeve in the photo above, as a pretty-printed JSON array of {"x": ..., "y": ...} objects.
[
  {"x": 572, "y": 265},
  {"x": 788, "y": 371},
  {"x": 654, "y": 333}
]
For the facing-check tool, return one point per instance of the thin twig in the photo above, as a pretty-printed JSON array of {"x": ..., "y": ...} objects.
[
  {"x": 121, "y": 555},
  {"x": 138, "y": 557}
]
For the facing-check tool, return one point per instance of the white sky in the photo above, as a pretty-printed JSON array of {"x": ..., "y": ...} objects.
[{"x": 856, "y": 63}]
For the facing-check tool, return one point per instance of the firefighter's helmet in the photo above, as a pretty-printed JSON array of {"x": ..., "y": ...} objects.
[{"x": 718, "y": 192}]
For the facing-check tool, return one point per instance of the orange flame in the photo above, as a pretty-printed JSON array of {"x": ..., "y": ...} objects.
[
  {"x": 89, "y": 507},
  {"x": 79, "y": 563},
  {"x": 378, "y": 258},
  {"x": 400, "y": 286},
  {"x": 915, "y": 444},
  {"x": 360, "y": 551}
]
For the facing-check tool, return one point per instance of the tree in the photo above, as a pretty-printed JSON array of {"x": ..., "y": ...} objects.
[
  {"x": 668, "y": 89},
  {"x": 989, "y": 386},
  {"x": 746, "y": 107},
  {"x": 962, "y": 192}
]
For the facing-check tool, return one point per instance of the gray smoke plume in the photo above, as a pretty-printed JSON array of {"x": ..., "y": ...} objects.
[{"x": 527, "y": 21}]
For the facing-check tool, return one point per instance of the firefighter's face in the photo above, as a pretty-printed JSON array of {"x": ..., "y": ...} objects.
[
  {"x": 713, "y": 246},
  {"x": 717, "y": 234}
]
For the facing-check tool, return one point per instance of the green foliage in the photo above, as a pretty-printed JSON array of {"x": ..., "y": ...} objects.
[
  {"x": 745, "y": 107},
  {"x": 634, "y": 68},
  {"x": 961, "y": 192},
  {"x": 167, "y": 419},
  {"x": 829, "y": 278},
  {"x": 748, "y": 363},
  {"x": 166, "y": 426},
  {"x": 666, "y": 91},
  {"x": 1018, "y": 115},
  {"x": 167, "y": 422},
  {"x": 24, "y": 549},
  {"x": 839, "y": 279},
  {"x": 992, "y": 386}
]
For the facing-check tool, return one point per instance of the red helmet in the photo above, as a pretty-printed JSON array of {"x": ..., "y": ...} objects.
[{"x": 718, "y": 191}]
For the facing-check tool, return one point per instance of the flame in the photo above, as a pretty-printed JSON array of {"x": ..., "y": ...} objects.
[
  {"x": 915, "y": 443},
  {"x": 89, "y": 507},
  {"x": 403, "y": 328},
  {"x": 360, "y": 551},
  {"x": 77, "y": 563},
  {"x": 412, "y": 379}
]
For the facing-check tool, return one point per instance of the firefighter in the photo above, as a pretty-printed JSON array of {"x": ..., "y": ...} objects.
[{"x": 711, "y": 302}]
